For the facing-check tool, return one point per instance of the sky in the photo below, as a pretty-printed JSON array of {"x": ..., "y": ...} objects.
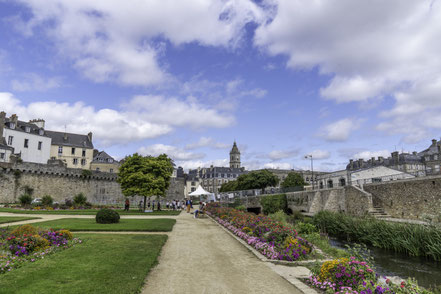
[{"x": 340, "y": 80}]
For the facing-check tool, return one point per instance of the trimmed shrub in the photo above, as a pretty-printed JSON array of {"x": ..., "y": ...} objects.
[
  {"x": 80, "y": 199},
  {"x": 47, "y": 200},
  {"x": 25, "y": 199},
  {"x": 274, "y": 203},
  {"x": 107, "y": 216}
]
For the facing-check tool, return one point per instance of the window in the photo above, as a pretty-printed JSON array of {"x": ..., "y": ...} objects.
[
  {"x": 53, "y": 158},
  {"x": 26, "y": 143},
  {"x": 97, "y": 169},
  {"x": 12, "y": 125},
  {"x": 193, "y": 189},
  {"x": 83, "y": 161},
  {"x": 41, "y": 132},
  {"x": 2, "y": 155},
  {"x": 60, "y": 150},
  {"x": 83, "y": 153},
  {"x": 10, "y": 139},
  {"x": 40, "y": 144},
  {"x": 193, "y": 183},
  {"x": 75, "y": 161},
  {"x": 110, "y": 160},
  {"x": 73, "y": 150},
  {"x": 111, "y": 170},
  {"x": 27, "y": 129}
]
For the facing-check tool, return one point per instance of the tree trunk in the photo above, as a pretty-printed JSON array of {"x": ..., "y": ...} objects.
[{"x": 145, "y": 200}]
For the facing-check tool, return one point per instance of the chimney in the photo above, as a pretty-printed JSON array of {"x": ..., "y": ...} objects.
[
  {"x": 433, "y": 142},
  {"x": 373, "y": 160},
  {"x": 380, "y": 159},
  {"x": 2, "y": 123},
  {"x": 414, "y": 153},
  {"x": 351, "y": 164},
  {"x": 360, "y": 163},
  {"x": 38, "y": 122},
  {"x": 90, "y": 136},
  {"x": 14, "y": 119}
]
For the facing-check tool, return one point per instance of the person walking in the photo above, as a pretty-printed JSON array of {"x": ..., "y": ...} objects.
[
  {"x": 140, "y": 205},
  {"x": 188, "y": 205},
  {"x": 127, "y": 205}
]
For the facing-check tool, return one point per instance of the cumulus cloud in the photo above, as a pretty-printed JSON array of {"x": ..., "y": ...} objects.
[
  {"x": 143, "y": 117},
  {"x": 34, "y": 82},
  {"x": 369, "y": 154},
  {"x": 193, "y": 164},
  {"x": 282, "y": 154},
  {"x": 207, "y": 142},
  {"x": 320, "y": 154},
  {"x": 340, "y": 130},
  {"x": 370, "y": 50},
  {"x": 173, "y": 152},
  {"x": 278, "y": 165},
  {"x": 109, "y": 40}
]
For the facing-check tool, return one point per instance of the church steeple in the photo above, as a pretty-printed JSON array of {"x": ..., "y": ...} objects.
[{"x": 235, "y": 157}]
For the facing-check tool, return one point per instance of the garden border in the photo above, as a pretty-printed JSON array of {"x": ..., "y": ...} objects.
[{"x": 294, "y": 281}]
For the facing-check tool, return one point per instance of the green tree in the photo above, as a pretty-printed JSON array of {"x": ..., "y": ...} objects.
[
  {"x": 229, "y": 186},
  {"x": 145, "y": 175},
  {"x": 293, "y": 180},
  {"x": 257, "y": 180}
]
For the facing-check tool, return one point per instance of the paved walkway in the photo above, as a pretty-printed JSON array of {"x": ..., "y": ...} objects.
[{"x": 199, "y": 257}]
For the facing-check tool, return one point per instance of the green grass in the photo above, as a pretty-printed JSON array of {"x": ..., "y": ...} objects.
[
  {"x": 104, "y": 263},
  {"x": 11, "y": 219},
  {"x": 87, "y": 211},
  {"x": 81, "y": 224}
]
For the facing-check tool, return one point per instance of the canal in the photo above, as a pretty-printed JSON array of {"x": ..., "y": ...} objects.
[{"x": 388, "y": 263}]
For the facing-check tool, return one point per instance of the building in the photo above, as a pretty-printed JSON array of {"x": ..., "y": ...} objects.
[
  {"x": 104, "y": 162},
  {"x": 211, "y": 178},
  {"x": 377, "y": 174},
  {"x": 74, "y": 149},
  {"x": 29, "y": 140},
  {"x": 307, "y": 175},
  {"x": 411, "y": 163},
  {"x": 334, "y": 179},
  {"x": 431, "y": 157},
  {"x": 5, "y": 151}
]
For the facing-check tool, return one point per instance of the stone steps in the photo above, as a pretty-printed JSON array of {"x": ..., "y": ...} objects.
[{"x": 378, "y": 212}]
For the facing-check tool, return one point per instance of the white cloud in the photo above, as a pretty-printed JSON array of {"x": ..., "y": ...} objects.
[
  {"x": 370, "y": 49},
  {"x": 282, "y": 154},
  {"x": 109, "y": 40},
  {"x": 340, "y": 130},
  {"x": 320, "y": 154},
  {"x": 193, "y": 164},
  {"x": 207, "y": 142},
  {"x": 173, "y": 152},
  {"x": 143, "y": 117},
  {"x": 34, "y": 82},
  {"x": 370, "y": 154},
  {"x": 278, "y": 165}
]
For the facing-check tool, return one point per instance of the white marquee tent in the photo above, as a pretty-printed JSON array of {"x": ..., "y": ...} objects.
[{"x": 201, "y": 192}]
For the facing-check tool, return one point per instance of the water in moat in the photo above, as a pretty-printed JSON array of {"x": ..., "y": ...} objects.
[{"x": 388, "y": 263}]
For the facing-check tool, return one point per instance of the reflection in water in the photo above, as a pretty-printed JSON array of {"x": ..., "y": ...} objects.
[{"x": 426, "y": 272}]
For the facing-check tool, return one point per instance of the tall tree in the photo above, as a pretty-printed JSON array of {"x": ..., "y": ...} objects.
[
  {"x": 229, "y": 186},
  {"x": 145, "y": 175},
  {"x": 257, "y": 180},
  {"x": 293, "y": 180}
]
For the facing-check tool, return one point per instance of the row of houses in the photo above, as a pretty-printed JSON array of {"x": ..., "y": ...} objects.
[{"x": 31, "y": 142}]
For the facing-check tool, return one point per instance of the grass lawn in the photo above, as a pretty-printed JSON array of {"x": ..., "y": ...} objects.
[
  {"x": 11, "y": 219},
  {"x": 87, "y": 211},
  {"x": 80, "y": 224},
  {"x": 104, "y": 263}
]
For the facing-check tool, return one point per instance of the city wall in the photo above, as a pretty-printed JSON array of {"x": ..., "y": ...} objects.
[
  {"x": 411, "y": 199},
  {"x": 64, "y": 183}
]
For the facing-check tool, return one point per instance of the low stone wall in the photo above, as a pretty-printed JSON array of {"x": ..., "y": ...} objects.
[
  {"x": 410, "y": 199},
  {"x": 348, "y": 199}
]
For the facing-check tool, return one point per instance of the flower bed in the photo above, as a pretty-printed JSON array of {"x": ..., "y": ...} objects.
[
  {"x": 269, "y": 237},
  {"x": 27, "y": 244},
  {"x": 354, "y": 276}
]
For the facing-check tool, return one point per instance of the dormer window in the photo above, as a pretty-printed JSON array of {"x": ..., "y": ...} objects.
[
  {"x": 110, "y": 160},
  {"x": 41, "y": 132},
  {"x": 27, "y": 129},
  {"x": 12, "y": 125}
]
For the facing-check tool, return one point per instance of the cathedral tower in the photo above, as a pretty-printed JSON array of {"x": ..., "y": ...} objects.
[{"x": 235, "y": 157}]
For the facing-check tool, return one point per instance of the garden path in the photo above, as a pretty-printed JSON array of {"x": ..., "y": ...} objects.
[{"x": 200, "y": 257}]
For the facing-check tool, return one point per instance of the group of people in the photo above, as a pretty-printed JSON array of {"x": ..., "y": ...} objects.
[{"x": 186, "y": 204}]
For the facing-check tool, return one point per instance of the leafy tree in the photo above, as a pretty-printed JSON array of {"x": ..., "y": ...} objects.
[
  {"x": 229, "y": 186},
  {"x": 293, "y": 180},
  {"x": 257, "y": 180},
  {"x": 145, "y": 175}
]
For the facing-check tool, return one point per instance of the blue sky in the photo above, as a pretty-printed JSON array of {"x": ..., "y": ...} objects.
[{"x": 284, "y": 78}]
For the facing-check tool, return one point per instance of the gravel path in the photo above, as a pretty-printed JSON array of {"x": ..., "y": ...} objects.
[{"x": 199, "y": 257}]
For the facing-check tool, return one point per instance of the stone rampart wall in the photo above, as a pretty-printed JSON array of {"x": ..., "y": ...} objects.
[{"x": 410, "y": 199}]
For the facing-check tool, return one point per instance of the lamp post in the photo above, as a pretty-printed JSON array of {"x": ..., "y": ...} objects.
[{"x": 312, "y": 168}]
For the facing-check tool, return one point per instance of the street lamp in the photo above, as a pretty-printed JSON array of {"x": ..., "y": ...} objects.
[{"x": 312, "y": 168}]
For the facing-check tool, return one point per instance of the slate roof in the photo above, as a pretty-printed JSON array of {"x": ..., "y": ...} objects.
[
  {"x": 235, "y": 149},
  {"x": 403, "y": 158},
  {"x": 103, "y": 157},
  {"x": 21, "y": 127},
  {"x": 73, "y": 140}
]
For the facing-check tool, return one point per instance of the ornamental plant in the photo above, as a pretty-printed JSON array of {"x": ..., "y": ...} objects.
[{"x": 107, "y": 216}]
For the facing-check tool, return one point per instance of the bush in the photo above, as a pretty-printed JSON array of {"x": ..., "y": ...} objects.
[
  {"x": 25, "y": 229},
  {"x": 68, "y": 203},
  {"x": 25, "y": 199},
  {"x": 304, "y": 228},
  {"x": 274, "y": 203},
  {"x": 47, "y": 200},
  {"x": 107, "y": 216},
  {"x": 241, "y": 208},
  {"x": 80, "y": 199},
  {"x": 279, "y": 216}
]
